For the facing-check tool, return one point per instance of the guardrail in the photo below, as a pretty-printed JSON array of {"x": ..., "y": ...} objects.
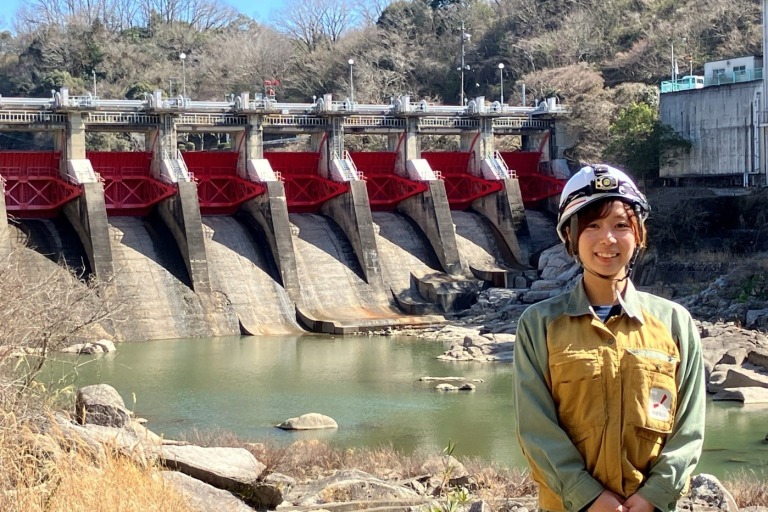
[
  {"x": 31, "y": 117},
  {"x": 106, "y": 111}
]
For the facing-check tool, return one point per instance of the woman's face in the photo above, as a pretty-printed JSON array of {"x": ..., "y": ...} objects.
[{"x": 606, "y": 244}]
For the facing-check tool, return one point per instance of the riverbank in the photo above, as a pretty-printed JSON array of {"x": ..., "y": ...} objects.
[
  {"x": 206, "y": 467},
  {"x": 218, "y": 471}
]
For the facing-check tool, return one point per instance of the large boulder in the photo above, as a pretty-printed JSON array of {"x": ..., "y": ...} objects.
[
  {"x": 708, "y": 493},
  {"x": 101, "y": 404},
  {"x": 746, "y": 395},
  {"x": 759, "y": 357},
  {"x": 311, "y": 421},
  {"x": 746, "y": 376},
  {"x": 202, "y": 497},
  {"x": 232, "y": 469},
  {"x": 103, "y": 346},
  {"x": 355, "y": 487}
]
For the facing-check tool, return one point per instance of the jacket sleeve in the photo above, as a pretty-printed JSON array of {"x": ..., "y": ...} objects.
[
  {"x": 671, "y": 471},
  {"x": 550, "y": 452}
]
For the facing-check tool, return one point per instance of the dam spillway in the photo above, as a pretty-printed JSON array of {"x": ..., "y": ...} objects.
[
  {"x": 243, "y": 240},
  {"x": 242, "y": 271}
]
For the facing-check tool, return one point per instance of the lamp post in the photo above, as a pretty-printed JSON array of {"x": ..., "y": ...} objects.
[
  {"x": 351, "y": 63},
  {"x": 501, "y": 82},
  {"x": 183, "y": 57}
]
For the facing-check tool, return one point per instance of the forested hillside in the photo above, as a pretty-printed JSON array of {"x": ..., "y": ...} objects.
[{"x": 599, "y": 56}]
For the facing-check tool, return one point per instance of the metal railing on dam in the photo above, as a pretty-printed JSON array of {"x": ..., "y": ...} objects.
[{"x": 236, "y": 112}]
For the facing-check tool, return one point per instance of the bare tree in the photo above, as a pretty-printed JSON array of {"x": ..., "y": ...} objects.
[
  {"x": 262, "y": 54},
  {"x": 312, "y": 23},
  {"x": 369, "y": 11},
  {"x": 123, "y": 14},
  {"x": 42, "y": 308}
]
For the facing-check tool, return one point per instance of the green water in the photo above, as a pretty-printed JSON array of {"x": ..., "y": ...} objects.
[{"x": 369, "y": 385}]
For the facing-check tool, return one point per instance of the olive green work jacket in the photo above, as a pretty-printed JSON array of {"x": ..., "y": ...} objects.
[{"x": 617, "y": 405}]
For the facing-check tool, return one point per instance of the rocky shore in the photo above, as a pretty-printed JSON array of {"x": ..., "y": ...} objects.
[{"x": 233, "y": 479}]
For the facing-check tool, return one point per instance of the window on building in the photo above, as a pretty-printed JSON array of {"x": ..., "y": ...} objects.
[
  {"x": 718, "y": 72},
  {"x": 739, "y": 70}
]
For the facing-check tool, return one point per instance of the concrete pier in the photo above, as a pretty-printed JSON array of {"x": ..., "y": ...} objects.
[
  {"x": 87, "y": 213},
  {"x": 352, "y": 212},
  {"x": 431, "y": 212},
  {"x": 5, "y": 241},
  {"x": 181, "y": 214},
  {"x": 269, "y": 213}
]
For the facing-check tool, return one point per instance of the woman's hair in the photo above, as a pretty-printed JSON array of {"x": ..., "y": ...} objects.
[{"x": 601, "y": 209}]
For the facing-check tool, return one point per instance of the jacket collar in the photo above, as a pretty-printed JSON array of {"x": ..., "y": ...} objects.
[{"x": 578, "y": 303}]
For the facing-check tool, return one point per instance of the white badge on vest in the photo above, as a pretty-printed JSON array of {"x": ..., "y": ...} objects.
[{"x": 659, "y": 405}]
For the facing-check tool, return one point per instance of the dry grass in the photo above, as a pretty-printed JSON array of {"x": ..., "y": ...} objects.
[
  {"x": 50, "y": 473},
  {"x": 749, "y": 488}
]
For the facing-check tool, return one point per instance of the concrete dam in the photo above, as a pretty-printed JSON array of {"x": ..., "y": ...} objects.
[{"x": 210, "y": 243}]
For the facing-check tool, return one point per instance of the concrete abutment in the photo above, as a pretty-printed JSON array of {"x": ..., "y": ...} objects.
[
  {"x": 5, "y": 239},
  {"x": 88, "y": 216}
]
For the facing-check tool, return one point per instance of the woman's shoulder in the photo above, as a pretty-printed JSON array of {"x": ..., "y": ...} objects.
[
  {"x": 547, "y": 308},
  {"x": 663, "y": 307}
]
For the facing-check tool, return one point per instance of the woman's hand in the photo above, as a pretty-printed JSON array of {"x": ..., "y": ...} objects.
[
  {"x": 637, "y": 503},
  {"x": 609, "y": 502}
]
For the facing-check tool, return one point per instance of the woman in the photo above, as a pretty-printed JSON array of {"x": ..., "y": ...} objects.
[{"x": 609, "y": 382}]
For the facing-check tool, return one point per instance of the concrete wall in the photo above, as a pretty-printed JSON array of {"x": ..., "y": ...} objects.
[
  {"x": 352, "y": 212},
  {"x": 718, "y": 122},
  {"x": 506, "y": 212}
]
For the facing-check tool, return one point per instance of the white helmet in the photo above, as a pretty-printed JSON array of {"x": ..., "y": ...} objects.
[{"x": 593, "y": 183}]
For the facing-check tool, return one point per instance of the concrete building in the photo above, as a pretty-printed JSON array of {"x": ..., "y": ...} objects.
[{"x": 722, "y": 120}]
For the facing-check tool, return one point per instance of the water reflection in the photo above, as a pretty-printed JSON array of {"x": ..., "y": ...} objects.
[{"x": 369, "y": 385}]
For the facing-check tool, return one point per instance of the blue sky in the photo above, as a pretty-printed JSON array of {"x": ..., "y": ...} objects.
[{"x": 260, "y": 10}]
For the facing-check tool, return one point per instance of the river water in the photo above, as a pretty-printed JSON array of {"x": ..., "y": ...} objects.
[{"x": 369, "y": 385}]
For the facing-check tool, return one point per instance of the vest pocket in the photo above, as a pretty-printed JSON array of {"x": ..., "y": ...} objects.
[
  {"x": 577, "y": 391},
  {"x": 650, "y": 390}
]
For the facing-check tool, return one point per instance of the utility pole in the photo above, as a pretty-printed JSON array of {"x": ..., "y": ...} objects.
[
  {"x": 351, "y": 63},
  {"x": 464, "y": 39},
  {"x": 93, "y": 72},
  {"x": 183, "y": 57},
  {"x": 501, "y": 84},
  {"x": 673, "y": 64}
]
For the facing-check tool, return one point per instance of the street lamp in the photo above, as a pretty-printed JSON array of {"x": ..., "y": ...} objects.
[
  {"x": 351, "y": 63},
  {"x": 501, "y": 82},
  {"x": 183, "y": 57}
]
